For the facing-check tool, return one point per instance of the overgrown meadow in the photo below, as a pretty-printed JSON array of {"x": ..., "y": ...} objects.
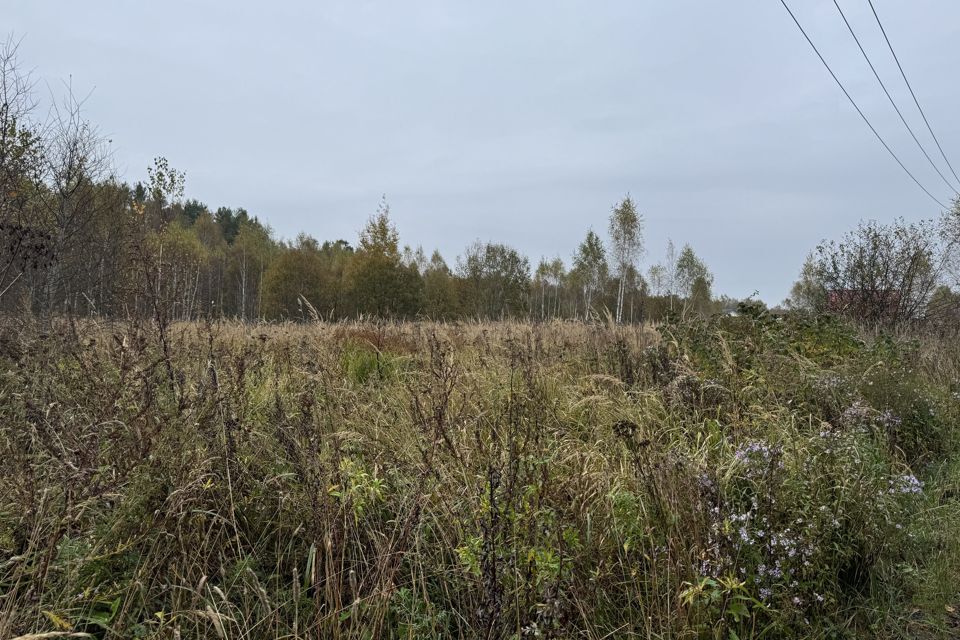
[{"x": 740, "y": 477}]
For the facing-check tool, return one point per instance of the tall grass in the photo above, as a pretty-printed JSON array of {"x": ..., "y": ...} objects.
[{"x": 732, "y": 478}]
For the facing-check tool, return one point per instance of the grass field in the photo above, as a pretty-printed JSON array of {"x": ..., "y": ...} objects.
[{"x": 732, "y": 478}]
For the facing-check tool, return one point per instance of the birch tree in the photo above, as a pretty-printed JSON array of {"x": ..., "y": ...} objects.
[
  {"x": 689, "y": 269},
  {"x": 590, "y": 267},
  {"x": 626, "y": 243},
  {"x": 657, "y": 277}
]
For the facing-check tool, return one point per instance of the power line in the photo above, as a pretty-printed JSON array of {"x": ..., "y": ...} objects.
[
  {"x": 892, "y": 102},
  {"x": 855, "y": 106},
  {"x": 917, "y": 102}
]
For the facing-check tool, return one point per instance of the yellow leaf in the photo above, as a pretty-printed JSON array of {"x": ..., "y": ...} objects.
[{"x": 59, "y": 622}]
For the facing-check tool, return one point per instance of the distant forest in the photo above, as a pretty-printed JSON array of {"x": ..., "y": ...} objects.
[
  {"x": 106, "y": 247},
  {"x": 78, "y": 240},
  {"x": 75, "y": 239}
]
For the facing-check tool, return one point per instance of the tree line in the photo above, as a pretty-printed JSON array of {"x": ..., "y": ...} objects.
[{"x": 76, "y": 239}]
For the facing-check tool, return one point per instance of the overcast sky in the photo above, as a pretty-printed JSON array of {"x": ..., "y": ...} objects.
[{"x": 519, "y": 121}]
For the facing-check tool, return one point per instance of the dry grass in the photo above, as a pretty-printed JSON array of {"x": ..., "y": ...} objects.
[{"x": 493, "y": 480}]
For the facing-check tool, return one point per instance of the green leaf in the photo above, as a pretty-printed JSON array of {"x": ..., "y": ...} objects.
[{"x": 308, "y": 570}]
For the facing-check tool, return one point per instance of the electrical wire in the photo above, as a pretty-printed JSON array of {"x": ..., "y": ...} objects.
[
  {"x": 915, "y": 100},
  {"x": 857, "y": 107},
  {"x": 890, "y": 98}
]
